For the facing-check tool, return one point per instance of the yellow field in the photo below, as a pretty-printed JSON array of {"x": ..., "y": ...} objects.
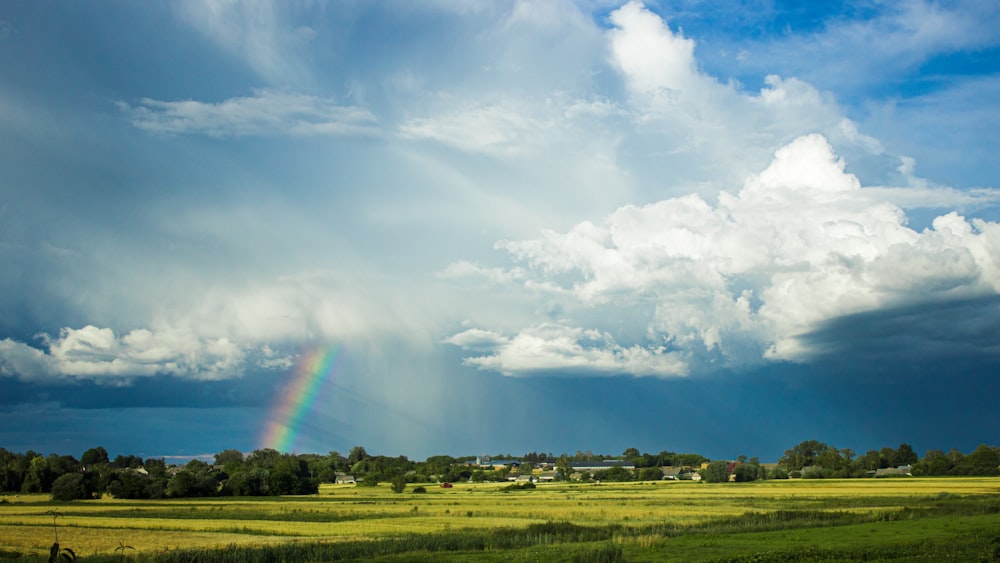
[{"x": 347, "y": 512}]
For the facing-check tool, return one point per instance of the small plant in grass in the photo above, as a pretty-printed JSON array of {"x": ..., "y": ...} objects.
[
  {"x": 123, "y": 548},
  {"x": 63, "y": 554},
  {"x": 55, "y": 530},
  {"x": 55, "y": 552}
]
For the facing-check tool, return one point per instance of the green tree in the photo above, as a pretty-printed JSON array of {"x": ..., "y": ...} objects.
[
  {"x": 337, "y": 462},
  {"x": 716, "y": 472},
  {"x": 183, "y": 484},
  {"x": 617, "y": 473},
  {"x": 291, "y": 476},
  {"x": 252, "y": 482},
  {"x": 934, "y": 463},
  {"x": 38, "y": 476},
  {"x": 778, "y": 473},
  {"x": 984, "y": 460},
  {"x": 801, "y": 455},
  {"x": 885, "y": 455},
  {"x": 266, "y": 458},
  {"x": 688, "y": 460},
  {"x": 744, "y": 472},
  {"x": 197, "y": 466},
  {"x": 871, "y": 461},
  {"x": 650, "y": 474},
  {"x": 127, "y": 484},
  {"x": 830, "y": 460},
  {"x": 62, "y": 464},
  {"x": 564, "y": 468},
  {"x": 399, "y": 484},
  {"x": 357, "y": 454},
  {"x": 904, "y": 455},
  {"x": 157, "y": 467},
  {"x": 436, "y": 465},
  {"x": 227, "y": 457},
  {"x": 127, "y": 462},
  {"x": 69, "y": 487},
  {"x": 95, "y": 456}
]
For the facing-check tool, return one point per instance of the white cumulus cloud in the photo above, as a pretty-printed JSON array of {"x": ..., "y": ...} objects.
[
  {"x": 100, "y": 354},
  {"x": 554, "y": 349},
  {"x": 739, "y": 281}
]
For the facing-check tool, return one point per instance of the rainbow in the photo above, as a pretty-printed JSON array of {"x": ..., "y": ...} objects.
[{"x": 283, "y": 425}]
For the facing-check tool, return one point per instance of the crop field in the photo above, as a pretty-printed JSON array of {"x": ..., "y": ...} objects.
[{"x": 806, "y": 520}]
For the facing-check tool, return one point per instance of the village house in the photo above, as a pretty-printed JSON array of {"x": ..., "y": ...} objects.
[{"x": 901, "y": 471}]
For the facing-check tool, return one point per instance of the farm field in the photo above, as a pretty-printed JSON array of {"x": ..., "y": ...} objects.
[{"x": 811, "y": 520}]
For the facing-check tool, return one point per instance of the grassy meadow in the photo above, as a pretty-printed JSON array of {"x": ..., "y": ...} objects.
[{"x": 805, "y": 520}]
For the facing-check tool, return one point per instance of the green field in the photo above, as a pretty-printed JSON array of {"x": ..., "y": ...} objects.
[{"x": 806, "y": 520}]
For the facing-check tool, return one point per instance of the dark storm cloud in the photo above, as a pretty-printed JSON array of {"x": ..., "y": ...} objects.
[{"x": 938, "y": 331}]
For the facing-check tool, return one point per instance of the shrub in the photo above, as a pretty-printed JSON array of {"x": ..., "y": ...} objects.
[
  {"x": 519, "y": 486},
  {"x": 399, "y": 484},
  {"x": 778, "y": 473},
  {"x": 69, "y": 487}
]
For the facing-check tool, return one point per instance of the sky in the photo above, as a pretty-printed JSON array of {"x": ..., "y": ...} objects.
[{"x": 464, "y": 227}]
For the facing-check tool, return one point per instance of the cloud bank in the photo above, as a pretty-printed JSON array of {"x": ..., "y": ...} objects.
[
  {"x": 100, "y": 354},
  {"x": 734, "y": 283},
  {"x": 724, "y": 229}
]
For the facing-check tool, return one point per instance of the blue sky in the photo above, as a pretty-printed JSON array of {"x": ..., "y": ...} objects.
[{"x": 525, "y": 226}]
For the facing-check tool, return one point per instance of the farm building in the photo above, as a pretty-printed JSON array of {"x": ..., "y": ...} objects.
[{"x": 599, "y": 465}]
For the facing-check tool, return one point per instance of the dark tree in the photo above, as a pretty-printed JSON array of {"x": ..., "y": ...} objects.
[
  {"x": 716, "y": 472},
  {"x": 128, "y": 484},
  {"x": 227, "y": 457},
  {"x": 886, "y": 454},
  {"x": 802, "y": 455},
  {"x": 266, "y": 458},
  {"x": 871, "y": 461},
  {"x": 182, "y": 484},
  {"x": 746, "y": 472},
  {"x": 399, "y": 484},
  {"x": 69, "y": 487},
  {"x": 38, "y": 478},
  {"x": 617, "y": 473},
  {"x": 250, "y": 483},
  {"x": 94, "y": 456},
  {"x": 650, "y": 474},
  {"x": 564, "y": 468},
  {"x": 127, "y": 462},
  {"x": 904, "y": 455},
  {"x": 357, "y": 454}
]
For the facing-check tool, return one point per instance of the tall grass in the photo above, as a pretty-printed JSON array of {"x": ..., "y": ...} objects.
[
  {"x": 608, "y": 539},
  {"x": 562, "y": 520}
]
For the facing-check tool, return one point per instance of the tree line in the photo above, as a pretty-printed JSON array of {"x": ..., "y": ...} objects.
[
  {"x": 269, "y": 472},
  {"x": 816, "y": 459}
]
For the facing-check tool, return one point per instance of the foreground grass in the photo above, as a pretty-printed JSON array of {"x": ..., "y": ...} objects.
[{"x": 859, "y": 520}]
